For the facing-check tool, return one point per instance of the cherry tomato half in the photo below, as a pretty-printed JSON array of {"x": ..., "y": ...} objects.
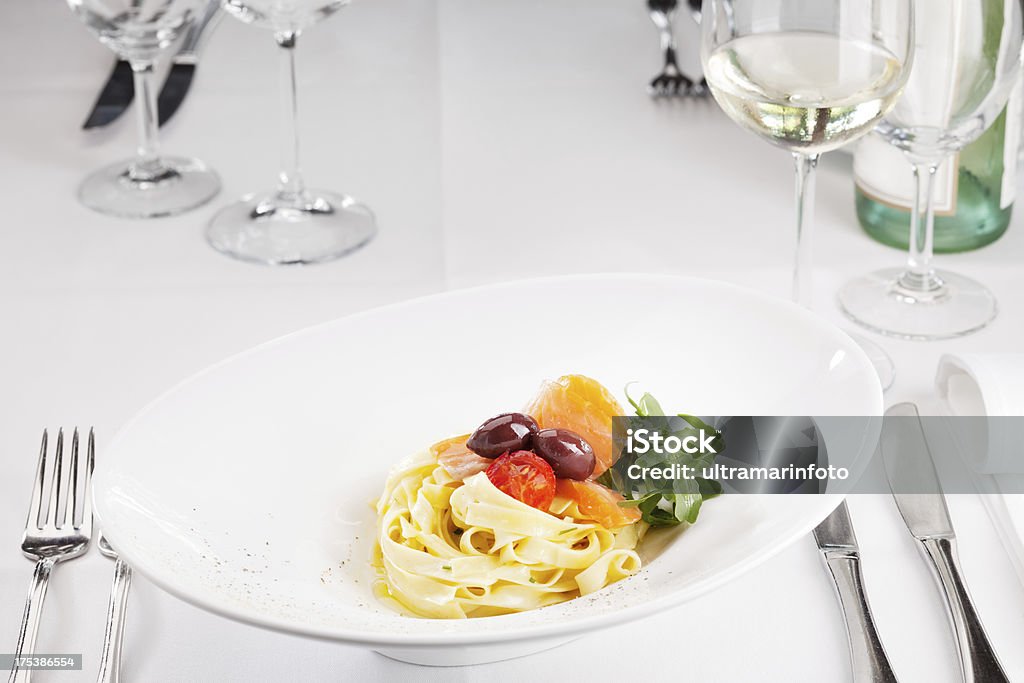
[{"x": 524, "y": 476}]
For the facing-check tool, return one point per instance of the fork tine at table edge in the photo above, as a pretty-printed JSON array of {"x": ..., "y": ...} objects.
[
  {"x": 35, "y": 506},
  {"x": 85, "y": 524},
  {"x": 71, "y": 504}
]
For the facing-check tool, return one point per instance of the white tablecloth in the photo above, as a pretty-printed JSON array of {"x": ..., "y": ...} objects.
[{"x": 495, "y": 140}]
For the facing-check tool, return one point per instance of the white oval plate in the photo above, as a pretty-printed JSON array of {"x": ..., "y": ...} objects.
[{"x": 246, "y": 490}]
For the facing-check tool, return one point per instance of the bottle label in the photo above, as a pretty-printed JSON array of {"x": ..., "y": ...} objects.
[
  {"x": 881, "y": 171},
  {"x": 883, "y": 174},
  {"x": 946, "y": 35}
]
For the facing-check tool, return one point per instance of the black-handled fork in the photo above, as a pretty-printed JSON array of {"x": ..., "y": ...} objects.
[{"x": 671, "y": 82}]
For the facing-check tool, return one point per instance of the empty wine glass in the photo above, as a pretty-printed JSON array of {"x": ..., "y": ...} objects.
[
  {"x": 149, "y": 185},
  {"x": 967, "y": 61},
  {"x": 292, "y": 224},
  {"x": 809, "y": 76}
]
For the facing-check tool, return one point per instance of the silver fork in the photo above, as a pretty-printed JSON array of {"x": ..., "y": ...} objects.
[
  {"x": 671, "y": 81},
  {"x": 110, "y": 664},
  {"x": 51, "y": 537}
]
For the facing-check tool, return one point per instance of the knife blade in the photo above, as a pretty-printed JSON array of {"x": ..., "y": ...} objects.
[
  {"x": 838, "y": 545},
  {"x": 912, "y": 477},
  {"x": 917, "y": 490},
  {"x": 173, "y": 92},
  {"x": 115, "y": 96},
  {"x": 183, "y": 64}
]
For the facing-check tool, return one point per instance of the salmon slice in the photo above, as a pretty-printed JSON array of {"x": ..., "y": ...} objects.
[
  {"x": 597, "y": 503},
  {"x": 582, "y": 405},
  {"x": 460, "y": 462}
]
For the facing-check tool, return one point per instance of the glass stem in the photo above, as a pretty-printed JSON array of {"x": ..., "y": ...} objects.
[
  {"x": 147, "y": 167},
  {"x": 920, "y": 276},
  {"x": 291, "y": 185},
  {"x": 806, "y": 165}
]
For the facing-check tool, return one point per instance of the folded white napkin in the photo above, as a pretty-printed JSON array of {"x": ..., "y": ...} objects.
[{"x": 991, "y": 384}]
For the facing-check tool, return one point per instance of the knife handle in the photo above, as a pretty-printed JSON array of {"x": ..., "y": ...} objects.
[
  {"x": 870, "y": 663},
  {"x": 977, "y": 657}
]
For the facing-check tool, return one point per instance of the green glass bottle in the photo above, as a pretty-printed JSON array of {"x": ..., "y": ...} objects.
[{"x": 975, "y": 189}]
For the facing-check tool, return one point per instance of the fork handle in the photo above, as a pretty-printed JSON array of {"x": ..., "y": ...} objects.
[
  {"x": 110, "y": 664},
  {"x": 668, "y": 41},
  {"x": 30, "y": 620}
]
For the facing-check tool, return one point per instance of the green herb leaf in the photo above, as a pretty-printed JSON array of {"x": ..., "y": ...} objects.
[
  {"x": 646, "y": 406},
  {"x": 709, "y": 488},
  {"x": 657, "y": 505}
]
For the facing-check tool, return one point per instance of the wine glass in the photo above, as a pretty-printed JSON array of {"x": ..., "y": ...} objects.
[
  {"x": 967, "y": 61},
  {"x": 149, "y": 185},
  {"x": 809, "y": 76},
  {"x": 292, "y": 224}
]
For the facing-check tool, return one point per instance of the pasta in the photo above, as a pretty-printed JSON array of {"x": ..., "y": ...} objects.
[{"x": 450, "y": 549}]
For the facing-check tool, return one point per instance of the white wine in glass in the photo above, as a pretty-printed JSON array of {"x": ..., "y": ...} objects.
[
  {"x": 804, "y": 91},
  {"x": 809, "y": 76}
]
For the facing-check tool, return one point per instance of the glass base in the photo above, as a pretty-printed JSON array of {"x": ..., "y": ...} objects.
[
  {"x": 176, "y": 186},
  {"x": 951, "y": 306},
  {"x": 882, "y": 361},
  {"x": 286, "y": 229}
]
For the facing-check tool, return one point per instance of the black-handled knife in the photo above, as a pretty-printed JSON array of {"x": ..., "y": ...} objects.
[
  {"x": 119, "y": 91},
  {"x": 114, "y": 98},
  {"x": 183, "y": 64}
]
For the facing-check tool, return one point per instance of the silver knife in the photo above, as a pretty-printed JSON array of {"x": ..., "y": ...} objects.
[
  {"x": 918, "y": 493},
  {"x": 183, "y": 64},
  {"x": 838, "y": 546},
  {"x": 117, "y": 93}
]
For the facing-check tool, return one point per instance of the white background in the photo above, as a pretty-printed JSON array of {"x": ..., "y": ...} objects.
[{"x": 495, "y": 140}]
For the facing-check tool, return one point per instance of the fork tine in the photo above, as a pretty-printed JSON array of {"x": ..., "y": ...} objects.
[
  {"x": 72, "y": 503},
  {"x": 85, "y": 525},
  {"x": 55, "y": 480},
  {"x": 36, "y": 504}
]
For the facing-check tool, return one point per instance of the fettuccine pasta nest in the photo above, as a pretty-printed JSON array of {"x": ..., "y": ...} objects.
[{"x": 452, "y": 549}]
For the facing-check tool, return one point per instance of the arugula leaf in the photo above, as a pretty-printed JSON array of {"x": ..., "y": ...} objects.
[
  {"x": 639, "y": 502},
  {"x": 646, "y": 406},
  {"x": 658, "y": 504},
  {"x": 709, "y": 488},
  {"x": 717, "y": 442}
]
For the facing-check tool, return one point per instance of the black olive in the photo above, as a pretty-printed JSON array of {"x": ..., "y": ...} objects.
[
  {"x": 569, "y": 455},
  {"x": 501, "y": 434}
]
